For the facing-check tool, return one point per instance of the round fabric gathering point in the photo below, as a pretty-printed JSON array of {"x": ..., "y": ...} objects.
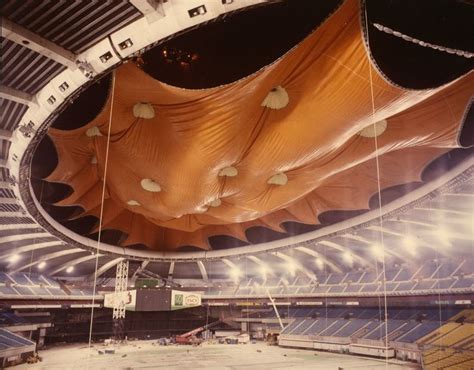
[
  {"x": 277, "y": 98},
  {"x": 374, "y": 130},
  {"x": 150, "y": 185},
  {"x": 143, "y": 110},
  {"x": 278, "y": 179}
]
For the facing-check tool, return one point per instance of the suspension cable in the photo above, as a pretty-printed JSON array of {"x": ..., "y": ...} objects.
[
  {"x": 379, "y": 193},
  {"x": 104, "y": 185}
]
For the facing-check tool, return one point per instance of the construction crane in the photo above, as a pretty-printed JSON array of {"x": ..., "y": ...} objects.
[
  {"x": 275, "y": 308},
  {"x": 190, "y": 336}
]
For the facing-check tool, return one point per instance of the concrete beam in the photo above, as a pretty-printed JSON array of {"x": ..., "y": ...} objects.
[
  {"x": 14, "y": 238},
  {"x": 47, "y": 257},
  {"x": 151, "y": 9},
  {"x": 5, "y": 185},
  {"x": 74, "y": 262},
  {"x": 15, "y": 95},
  {"x": 202, "y": 268},
  {"x": 257, "y": 260},
  {"x": 5, "y": 134},
  {"x": 142, "y": 267},
  {"x": 8, "y": 201},
  {"x": 18, "y": 227},
  {"x": 171, "y": 270},
  {"x": 104, "y": 268},
  {"x": 32, "y": 41},
  {"x": 13, "y": 214},
  {"x": 28, "y": 248}
]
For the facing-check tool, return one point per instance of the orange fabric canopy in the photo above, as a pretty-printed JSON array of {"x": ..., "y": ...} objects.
[{"x": 314, "y": 141}]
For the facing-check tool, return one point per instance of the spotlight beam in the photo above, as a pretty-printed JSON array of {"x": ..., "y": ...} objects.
[
  {"x": 343, "y": 249},
  {"x": 48, "y": 257},
  {"x": 323, "y": 258},
  {"x": 399, "y": 235},
  {"x": 74, "y": 262},
  {"x": 298, "y": 266}
]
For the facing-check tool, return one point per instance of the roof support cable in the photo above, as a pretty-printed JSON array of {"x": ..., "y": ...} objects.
[
  {"x": 104, "y": 185},
  {"x": 389, "y": 31},
  {"x": 379, "y": 194}
]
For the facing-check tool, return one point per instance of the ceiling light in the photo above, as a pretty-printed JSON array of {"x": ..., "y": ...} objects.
[
  {"x": 347, "y": 257},
  {"x": 14, "y": 258},
  {"x": 64, "y": 86},
  {"x": 200, "y": 10},
  {"x": 70, "y": 269},
  {"x": 51, "y": 100},
  {"x": 41, "y": 265},
  {"x": 104, "y": 58},
  {"x": 263, "y": 271},
  {"x": 277, "y": 98},
  {"x": 125, "y": 44},
  {"x": 150, "y": 185}
]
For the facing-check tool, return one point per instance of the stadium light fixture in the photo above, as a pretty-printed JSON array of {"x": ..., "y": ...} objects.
[
  {"x": 347, "y": 257},
  {"x": 410, "y": 244},
  {"x": 14, "y": 258},
  {"x": 41, "y": 265},
  {"x": 235, "y": 273},
  {"x": 319, "y": 263},
  {"x": 263, "y": 271},
  {"x": 291, "y": 267},
  {"x": 377, "y": 251},
  {"x": 443, "y": 236},
  {"x": 70, "y": 269}
]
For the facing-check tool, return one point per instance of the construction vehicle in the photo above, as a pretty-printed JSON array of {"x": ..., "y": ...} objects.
[{"x": 191, "y": 338}]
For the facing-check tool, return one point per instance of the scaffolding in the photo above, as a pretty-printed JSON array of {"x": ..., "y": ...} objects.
[{"x": 118, "y": 315}]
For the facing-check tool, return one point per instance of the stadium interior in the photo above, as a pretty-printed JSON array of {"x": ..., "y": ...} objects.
[{"x": 265, "y": 184}]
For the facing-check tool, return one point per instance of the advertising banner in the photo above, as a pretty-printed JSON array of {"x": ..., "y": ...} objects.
[
  {"x": 129, "y": 298},
  {"x": 180, "y": 299}
]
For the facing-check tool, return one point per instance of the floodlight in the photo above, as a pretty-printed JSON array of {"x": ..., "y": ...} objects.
[
  {"x": 319, "y": 263},
  {"x": 235, "y": 273},
  {"x": 377, "y": 251},
  {"x": 14, "y": 258},
  {"x": 291, "y": 267},
  {"x": 347, "y": 257},
  {"x": 41, "y": 265},
  {"x": 410, "y": 244},
  {"x": 70, "y": 269},
  {"x": 443, "y": 236}
]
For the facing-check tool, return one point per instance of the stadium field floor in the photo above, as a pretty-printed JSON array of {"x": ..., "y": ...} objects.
[{"x": 148, "y": 355}]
